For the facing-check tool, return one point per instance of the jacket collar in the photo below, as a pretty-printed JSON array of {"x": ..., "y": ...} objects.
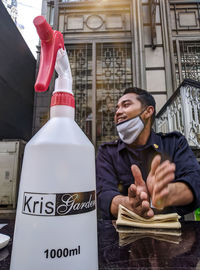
[{"x": 154, "y": 141}]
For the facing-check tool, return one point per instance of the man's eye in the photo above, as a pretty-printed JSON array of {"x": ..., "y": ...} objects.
[{"x": 126, "y": 104}]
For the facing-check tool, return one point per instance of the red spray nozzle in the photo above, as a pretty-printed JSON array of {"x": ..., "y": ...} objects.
[
  {"x": 44, "y": 30},
  {"x": 51, "y": 42}
]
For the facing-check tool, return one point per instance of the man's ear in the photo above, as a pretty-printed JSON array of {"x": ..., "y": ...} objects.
[{"x": 148, "y": 112}]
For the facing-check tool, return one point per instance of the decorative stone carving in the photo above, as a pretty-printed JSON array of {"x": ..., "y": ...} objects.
[
  {"x": 114, "y": 22},
  {"x": 75, "y": 23},
  {"x": 187, "y": 19},
  {"x": 94, "y": 22}
]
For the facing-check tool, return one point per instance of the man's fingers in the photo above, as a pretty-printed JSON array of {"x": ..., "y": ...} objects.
[
  {"x": 135, "y": 196},
  {"x": 137, "y": 175},
  {"x": 162, "y": 165},
  {"x": 150, "y": 213},
  {"x": 139, "y": 201},
  {"x": 164, "y": 169},
  {"x": 159, "y": 199},
  {"x": 142, "y": 208},
  {"x": 162, "y": 184},
  {"x": 146, "y": 211},
  {"x": 161, "y": 187},
  {"x": 143, "y": 196},
  {"x": 145, "y": 205},
  {"x": 132, "y": 191},
  {"x": 155, "y": 163}
]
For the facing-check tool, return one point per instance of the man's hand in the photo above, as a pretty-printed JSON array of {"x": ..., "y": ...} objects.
[
  {"x": 158, "y": 181},
  {"x": 137, "y": 199},
  {"x": 138, "y": 195}
]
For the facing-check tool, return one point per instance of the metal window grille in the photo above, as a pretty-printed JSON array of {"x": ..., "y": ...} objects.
[
  {"x": 114, "y": 74},
  {"x": 80, "y": 57},
  {"x": 187, "y": 60}
]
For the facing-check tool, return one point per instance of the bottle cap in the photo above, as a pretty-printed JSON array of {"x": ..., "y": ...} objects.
[{"x": 63, "y": 98}]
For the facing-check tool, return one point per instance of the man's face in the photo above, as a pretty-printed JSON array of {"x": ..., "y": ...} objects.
[{"x": 128, "y": 107}]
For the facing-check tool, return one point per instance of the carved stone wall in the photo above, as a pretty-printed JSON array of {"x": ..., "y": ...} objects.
[
  {"x": 94, "y": 22},
  {"x": 185, "y": 17},
  {"x": 90, "y": 19}
]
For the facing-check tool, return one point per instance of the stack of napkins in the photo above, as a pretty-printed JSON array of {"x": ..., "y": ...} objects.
[
  {"x": 163, "y": 221},
  {"x": 131, "y": 227},
  {"x": 129, "y": 235}
]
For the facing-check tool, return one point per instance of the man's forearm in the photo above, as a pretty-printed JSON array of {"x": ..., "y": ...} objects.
[{"x": 179, "y": 194}]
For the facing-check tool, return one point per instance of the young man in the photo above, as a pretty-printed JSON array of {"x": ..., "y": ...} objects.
[{"x": 145, "y": 171}]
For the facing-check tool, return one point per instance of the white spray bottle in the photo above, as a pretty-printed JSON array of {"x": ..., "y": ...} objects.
[{"x": 56, "y": 226}]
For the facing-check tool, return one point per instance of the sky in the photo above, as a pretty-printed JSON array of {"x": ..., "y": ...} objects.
[{"x": 27, "y": 11}]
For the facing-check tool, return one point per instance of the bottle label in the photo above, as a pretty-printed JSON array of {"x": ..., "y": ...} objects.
[{"x": 61, "y": 204}]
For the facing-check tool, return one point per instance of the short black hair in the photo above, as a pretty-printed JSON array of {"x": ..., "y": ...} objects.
[{"x": 144, "y": 97}]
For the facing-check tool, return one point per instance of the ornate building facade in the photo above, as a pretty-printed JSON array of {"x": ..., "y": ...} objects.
[
  {"x": 11, "y": 6},
  {"x": 112, "y": 45}
]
